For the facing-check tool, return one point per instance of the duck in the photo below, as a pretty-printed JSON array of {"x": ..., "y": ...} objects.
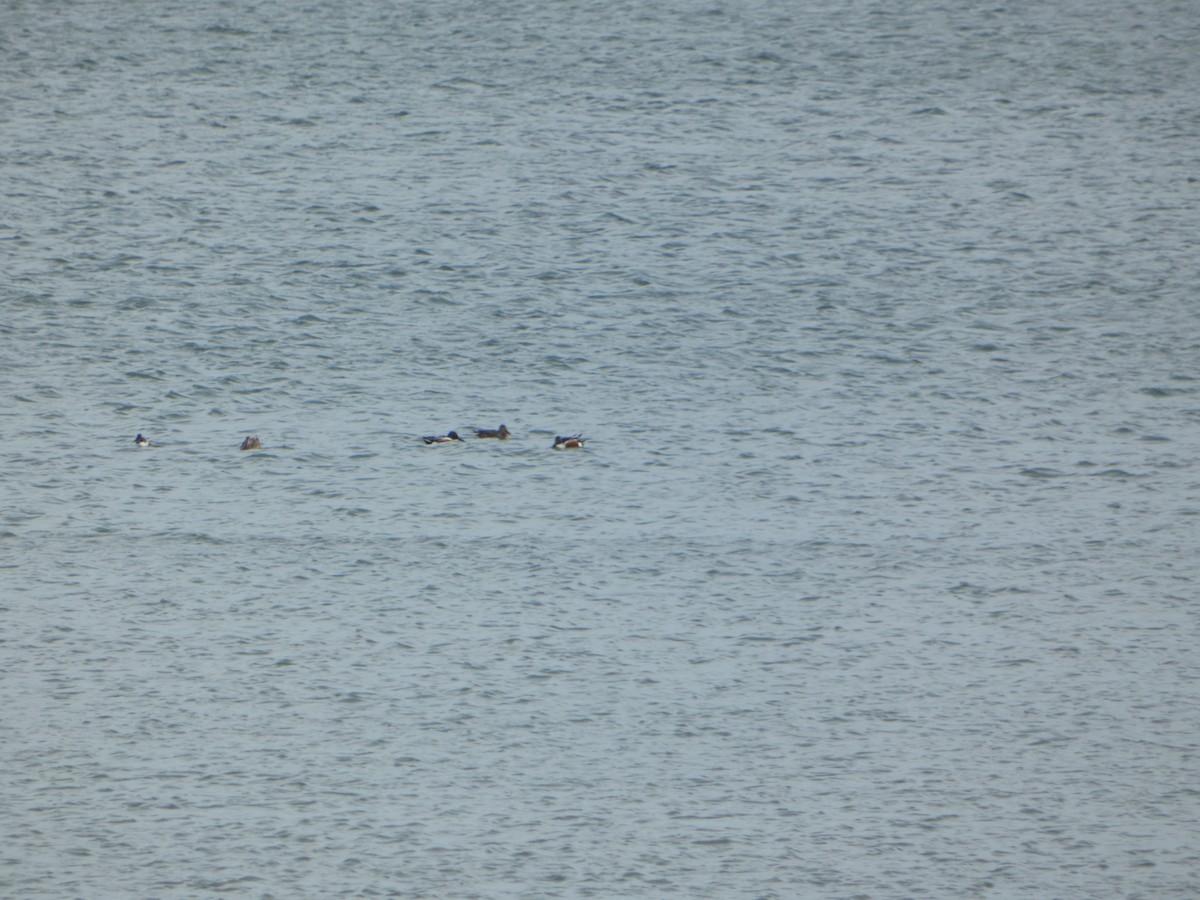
[
  {"x": 442, "y": 439},
  {"x": 574, "y": 442},
  {"x": 143, "y": 441},
  {"x": 502, "y": 433},
  {"x": 252, "y": 443}
]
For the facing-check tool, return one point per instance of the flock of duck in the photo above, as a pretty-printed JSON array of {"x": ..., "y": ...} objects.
[{"x": 572, "y": 442}]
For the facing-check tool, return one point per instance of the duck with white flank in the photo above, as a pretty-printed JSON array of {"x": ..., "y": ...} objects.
[
  {"x": 574, "y": 442},
  {"x": 442, "y": 439},
  {"x": 143, "y": 441}
]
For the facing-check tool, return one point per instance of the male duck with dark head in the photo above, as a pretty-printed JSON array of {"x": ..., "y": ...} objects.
[
  {"x": 442, "y": 439},
  {"x": 502, "y": 433},
  {"x": 574, "y": 442},
  {"x": 252, "y": 443},
  {"x": 142, "y": 441}
]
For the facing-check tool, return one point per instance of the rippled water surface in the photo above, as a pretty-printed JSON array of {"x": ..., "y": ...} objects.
[{"x": 877, "y": 576}]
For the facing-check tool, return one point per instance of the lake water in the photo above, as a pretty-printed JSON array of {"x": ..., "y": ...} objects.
[{"x": 876, "y": 578}]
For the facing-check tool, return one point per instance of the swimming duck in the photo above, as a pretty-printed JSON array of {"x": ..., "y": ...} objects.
[
  {"x": 252, "y": 443},
  {"x": 575, "y": 442},
  {"x": 502, "y": 433},
  {"x": 142, "y": 441},
  {"x": 442, "y": 439}
]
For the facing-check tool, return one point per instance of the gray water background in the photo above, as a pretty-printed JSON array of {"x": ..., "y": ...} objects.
[{"x": 878, "y": 577}]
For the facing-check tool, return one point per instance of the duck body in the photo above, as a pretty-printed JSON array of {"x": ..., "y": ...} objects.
[
  {"x": 143, "y": 441},
  {"x": 252, "y": 443},
  {"x": 574, "y": 442},
  {"x": 501, "y": 433},
  {"x": 442, "y": 439}
]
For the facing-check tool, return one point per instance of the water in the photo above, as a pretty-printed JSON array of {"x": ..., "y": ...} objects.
[{"x": 876, "y": 579}]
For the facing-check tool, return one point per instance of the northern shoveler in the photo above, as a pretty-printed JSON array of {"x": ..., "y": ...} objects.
[
  {"x": 574, "y": 442},
  {"x": 502, "y": 433},
  {"x": 252, "y": 443},
  {"x": 442, "y": 439},
  {"x": 142, "y": 441}
]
